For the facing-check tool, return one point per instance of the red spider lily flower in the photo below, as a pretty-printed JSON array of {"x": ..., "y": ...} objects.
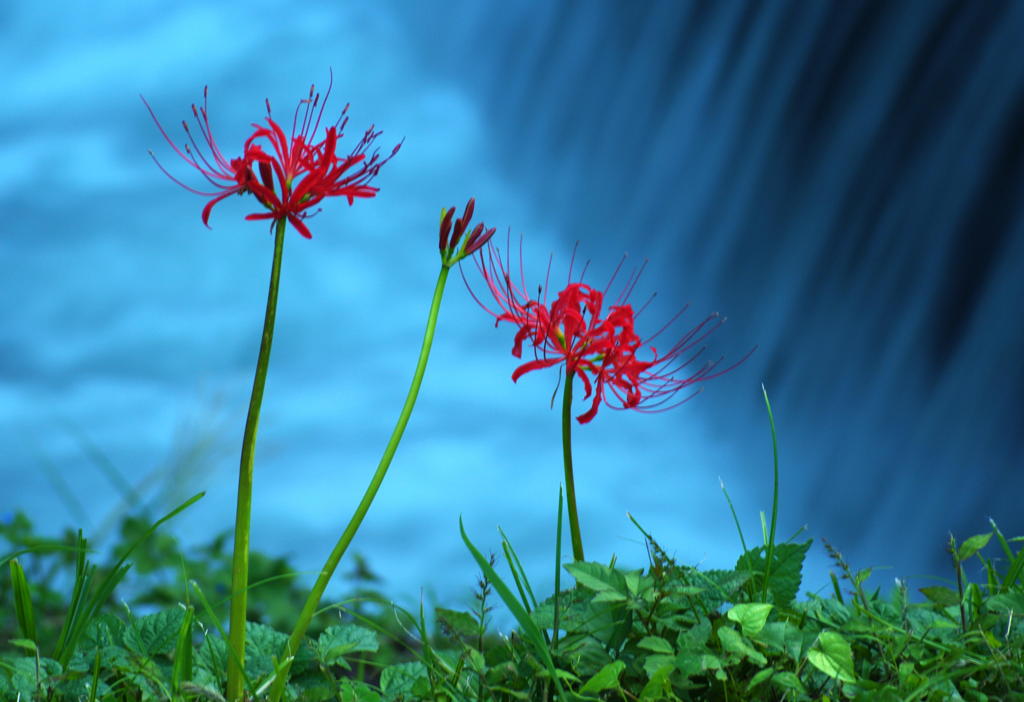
[
  {"x": 597, "y": 344},
  {"x": 288, "y": 174},
  {"x": 451, "y": 252}
]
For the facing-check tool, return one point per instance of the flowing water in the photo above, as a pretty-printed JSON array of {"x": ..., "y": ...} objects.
[{"x": 842, "y": 180}]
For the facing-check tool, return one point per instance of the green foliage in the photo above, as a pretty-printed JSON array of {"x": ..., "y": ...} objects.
[
  {"x": 665, "y": 632},
  {"x": 77, "y": 628}
]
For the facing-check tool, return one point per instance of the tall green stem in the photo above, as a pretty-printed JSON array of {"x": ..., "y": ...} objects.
[
  {"x": 570, "y": 487},
  {"x": 240, "y": 558},
  {"x": 313, "y": 601}
]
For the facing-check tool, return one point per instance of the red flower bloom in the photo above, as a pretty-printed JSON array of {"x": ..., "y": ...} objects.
[
  {"x": 294, "y": 176},
  {"x": 597, "y": 345}
]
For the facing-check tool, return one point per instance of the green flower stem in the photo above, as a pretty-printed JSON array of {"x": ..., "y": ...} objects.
[
  {"x": 240, "y": 558},
  {"x": 570, "y": 487},
  {"x": 313, "y": 601}
]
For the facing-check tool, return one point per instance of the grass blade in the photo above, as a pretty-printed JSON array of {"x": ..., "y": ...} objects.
[
  {"x": 529, "y": 629},
  {"x": 23, "y": 602},
  {"x": 518, "y": 573},
  {"x": 775, "y": 498},
  {"x": 182, "y": 668},
  {"x": 82, "y": 610}
]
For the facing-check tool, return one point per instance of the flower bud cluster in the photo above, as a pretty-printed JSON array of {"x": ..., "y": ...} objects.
[{"x": 448, "y": 240}]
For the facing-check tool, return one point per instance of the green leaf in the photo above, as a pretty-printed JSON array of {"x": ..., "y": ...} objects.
[
  {"x": 605, "y": 679},
  {"x": 609, "y": 596},
  {"x": 832, "y": 655},
  {"x": 760, "y": 677},
  {"x": 696, "y": 637},
  {"x": 788, "y": 680},
  {"x": 210, "y": 662},
  {"x": 632, "y": 578},
  {"x": 336, "y": 641},
  {"x": 782, "y": 637},
  {"x": 656, "y": 661},
  {"x": 154, "y": 633},
  {"x": 460, "y": 624},
  {"x": 972, "y": 545},
  {"x": 786, "y": 571},
  {"x": 861, "y": 576},
  {"x": 401, "y": 678},
  {"x": 942, "y": 596},
  {"x": 658, "y": 684},
  {"x": 1010, "y": 601},
  {"x": 262, "y": 645},
  {"x": 689, "y": 663},
  {"x": 752, "y": 617},
  {"x": 29, "y": 673},
  {"x": 356, "y": 691},
  {"x": 600, "y": 578},
  {"x": 733, "y": 642},
  {"x": 27, "y": 644},
  {"x": 655, "y": 644}
]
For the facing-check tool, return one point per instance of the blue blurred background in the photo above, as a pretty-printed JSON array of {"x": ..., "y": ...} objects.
[{"x": 843, "y": 180}]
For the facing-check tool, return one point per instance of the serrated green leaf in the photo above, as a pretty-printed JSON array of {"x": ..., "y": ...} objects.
[
  {"x": 605, "y": 679},
  {"x": 786, "y": 571},
  {"x": 458, "y": 623},
  {"x": 356, "y": 691},
  {"x": 751, "y": 616},
  {"x": 153, "y": 634},
  {"x": 689, "y": 663},
  {"x": 1008, "y": 602},
  {"x": 655, "y": 644},
  {"x": 942, "y": 596},
  {"x": 832, "y": 655},
  {"x": 598, "y": 577},
  {"x": 972, "y": 545},
  {"x": 29, "y": 673},
  {"x": 400, "y": 678},
  {"x": 262, "y": 646},
  {"x": 696, "y": 637},
  {"x": 212, "y": 658},
  {"x": 733, "y": 642},
  {"x": 102, "y": 631},
  {"x": 341, "y": 639},
  {"x": 861, "y": 576}
]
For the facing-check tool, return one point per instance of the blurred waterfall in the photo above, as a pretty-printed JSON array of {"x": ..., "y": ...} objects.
[{"x": 844, "y": 180}]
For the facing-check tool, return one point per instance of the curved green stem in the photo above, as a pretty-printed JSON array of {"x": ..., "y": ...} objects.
[
  {"x": 570, "y": 486},
  {"x": 240, "y": 558},
  {"x": 313, "y": 601}
]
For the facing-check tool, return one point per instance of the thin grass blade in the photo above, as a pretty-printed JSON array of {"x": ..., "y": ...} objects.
[
  {"x": 182, "y": 667},
  {"x": 23, "y": 602},
  {"x": 531, "y": 632}
]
